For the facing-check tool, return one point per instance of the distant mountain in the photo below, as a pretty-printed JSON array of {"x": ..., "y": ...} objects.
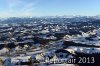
[{"x": 48, "y": 19}]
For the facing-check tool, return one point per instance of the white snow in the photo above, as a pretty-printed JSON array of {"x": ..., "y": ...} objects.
[{"x": 4, "y": 50}]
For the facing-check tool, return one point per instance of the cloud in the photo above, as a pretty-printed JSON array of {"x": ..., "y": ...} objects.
[{"x": 20, "y": 8}]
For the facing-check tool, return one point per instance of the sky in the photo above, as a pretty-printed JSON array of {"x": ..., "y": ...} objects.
[{"x": 24, "y": 8}]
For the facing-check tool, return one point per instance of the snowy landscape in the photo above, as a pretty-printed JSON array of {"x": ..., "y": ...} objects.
[{"x": 50, "y": 41}]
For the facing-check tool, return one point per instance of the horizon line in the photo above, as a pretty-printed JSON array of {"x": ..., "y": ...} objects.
[{"x": 51, "y": 16}]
